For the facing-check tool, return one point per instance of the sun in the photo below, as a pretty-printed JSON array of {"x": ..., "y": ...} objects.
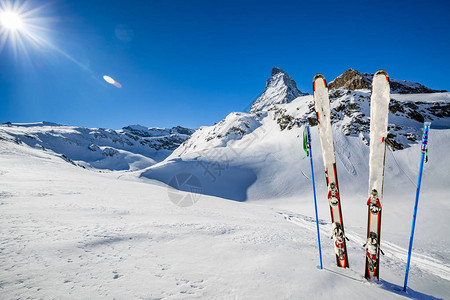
[
  {"x": 22, "y": 27},
  {"x": 11, "y": 20},
  {"x": 25, "y": 28}
]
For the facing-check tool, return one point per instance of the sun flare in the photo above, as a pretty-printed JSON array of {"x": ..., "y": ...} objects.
[
  {"x": 22, "y": 26},
  {"x": 11, "y": 20}
]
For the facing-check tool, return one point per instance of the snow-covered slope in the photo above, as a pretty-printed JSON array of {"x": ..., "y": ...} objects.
[
  {"x": 70, "y": 233},
  {"x": 280, "y": 88},
  {"x": 264, "y": 147},
  {"x": 131, "y": 148}
]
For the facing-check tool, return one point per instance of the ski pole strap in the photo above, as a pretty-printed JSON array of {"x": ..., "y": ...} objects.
[
  {"x": 389, "y": 142},
  {"x": 306, "y": 140},
  {"x": 426, "y": 155}
]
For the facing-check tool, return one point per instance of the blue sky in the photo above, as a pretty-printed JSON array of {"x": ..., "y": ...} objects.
[{"x": 191, "y": 63}]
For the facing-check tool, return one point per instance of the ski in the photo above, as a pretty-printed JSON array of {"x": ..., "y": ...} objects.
[
  {"x": 322, "y": 106},
  {"x": 379, "y": 112}
]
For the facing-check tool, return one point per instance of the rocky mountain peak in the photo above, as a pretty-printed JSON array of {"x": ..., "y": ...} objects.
[
  {"x": 280, "y": 88},
  {"x": 276, "y": 71},
  {"x": 354, "y": 80},
  {"x": 350, "y": 80}
]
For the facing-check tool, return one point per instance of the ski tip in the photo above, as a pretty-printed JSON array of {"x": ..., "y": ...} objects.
[
  {"x": 382, "y": 72},
  {"x": 317, "y": 77}
]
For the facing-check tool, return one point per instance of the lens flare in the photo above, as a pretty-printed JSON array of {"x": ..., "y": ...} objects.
[
  {"x": 108, "y": 79},
  {"x": 112, "y": 81}
]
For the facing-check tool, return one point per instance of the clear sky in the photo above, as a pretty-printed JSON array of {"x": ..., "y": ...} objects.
[{"x": 191, "y": 63}]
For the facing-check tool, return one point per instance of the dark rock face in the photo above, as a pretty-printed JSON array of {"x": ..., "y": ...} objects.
[
  {"x": 350, "y": 80},
  {"x": 182, "y": 130},
  {"x": 140, "y": 131},
  {"x": 276, "y": 70},
  {"x": 354, "y": 80},
  {"x": 404, "y": 87}
]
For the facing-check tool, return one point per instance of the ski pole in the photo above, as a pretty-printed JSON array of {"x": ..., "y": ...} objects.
[
  {"x": 424, "y": 151},
  {"x": 309, "y": 153}
]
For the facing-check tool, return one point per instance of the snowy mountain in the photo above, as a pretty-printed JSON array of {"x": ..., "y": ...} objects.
[
  {"x": 131, "y": 148},
  {"x": 257, "y": 153},
  {"x": 68, "y": 232},
  {"x": 280, "y": 88},
  {"x": 351, "y": 113}
]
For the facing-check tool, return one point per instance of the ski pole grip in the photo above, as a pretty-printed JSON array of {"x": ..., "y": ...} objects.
[{"x": 425, "y": 136}]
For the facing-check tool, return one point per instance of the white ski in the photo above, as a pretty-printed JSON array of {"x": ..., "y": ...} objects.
[
  {"x": 379, "y": 112},
  {"x": 322, "y": 105}
]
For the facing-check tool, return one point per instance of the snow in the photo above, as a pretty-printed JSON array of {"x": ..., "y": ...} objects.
[
  {"x": 427, "y": 98},
  {"x": 68, "y": 232}
]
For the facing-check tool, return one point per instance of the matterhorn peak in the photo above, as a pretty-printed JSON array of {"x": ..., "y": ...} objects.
[
  {"x": 276, "y": 71},
  {"x": 280, "y": 89}
]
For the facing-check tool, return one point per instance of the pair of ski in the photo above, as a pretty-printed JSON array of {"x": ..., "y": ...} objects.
[{"x": 379, "y": 110}]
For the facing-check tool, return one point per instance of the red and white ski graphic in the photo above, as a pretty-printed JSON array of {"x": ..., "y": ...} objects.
[
  {"x": 322, "y": 106},
  {"x": 379, "y": 112}
]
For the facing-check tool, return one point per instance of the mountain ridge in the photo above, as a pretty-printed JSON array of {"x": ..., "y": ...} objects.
[
  {"x": 243, "y": 142},
  {"x": 352, "y": 79},
  {"x": 132, "y": 147}
]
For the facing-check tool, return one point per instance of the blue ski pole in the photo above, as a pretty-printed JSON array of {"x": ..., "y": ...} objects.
[
  {"x": 423, "y": 157},
  {"x": 307, "y": 148}
]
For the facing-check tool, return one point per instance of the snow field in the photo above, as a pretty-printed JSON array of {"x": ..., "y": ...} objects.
[{"x": 67, "y": 232}]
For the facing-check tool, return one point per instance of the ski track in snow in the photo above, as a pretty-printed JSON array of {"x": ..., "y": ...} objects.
[
  {"x": 345, "y": 160},
  {"x": 394, "y": 254}
]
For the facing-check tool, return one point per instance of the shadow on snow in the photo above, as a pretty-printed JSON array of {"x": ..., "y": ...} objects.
[
  {"x": 410, "y": 293},
  {"x": 215, "y": 179}
]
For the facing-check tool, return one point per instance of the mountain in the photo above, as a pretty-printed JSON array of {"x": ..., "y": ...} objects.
[
  {"x": 255, "y": 156},
  {"x": 133, "y": 147},
  {"x": 354, "y": 80},
  {"x": 280, "y": 88},
  {"x": 350, "y": 111}
]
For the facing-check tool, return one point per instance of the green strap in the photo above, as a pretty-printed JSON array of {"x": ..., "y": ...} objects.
[{"x": 305, "y": 143}]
